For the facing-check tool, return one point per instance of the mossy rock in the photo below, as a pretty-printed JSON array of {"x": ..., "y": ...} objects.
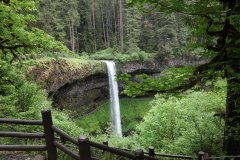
[{"x": 52, "y": 73}]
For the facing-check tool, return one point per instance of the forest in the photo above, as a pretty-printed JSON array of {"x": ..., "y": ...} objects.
[
  {"x": 177, "y": 70},
  {"x": 89, "y": 26}
]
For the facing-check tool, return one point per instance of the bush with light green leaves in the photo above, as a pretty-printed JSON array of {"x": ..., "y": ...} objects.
[
  {"x": 185, "y": 124},
  {"x": 22, "y": 99}
]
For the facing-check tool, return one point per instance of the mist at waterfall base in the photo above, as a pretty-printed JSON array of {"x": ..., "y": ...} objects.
[{"x": 114, "y": 98}]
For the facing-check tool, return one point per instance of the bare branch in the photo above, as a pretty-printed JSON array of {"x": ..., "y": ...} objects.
[
  {"x": 210, "y": 23},
  {"x": 15, "y": 56}
]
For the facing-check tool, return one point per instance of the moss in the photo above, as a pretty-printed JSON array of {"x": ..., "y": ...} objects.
[
  {"x": 132, "y": 112},
  {"x": 53, "y": 73},
  {"x": 117, "y": 56}
]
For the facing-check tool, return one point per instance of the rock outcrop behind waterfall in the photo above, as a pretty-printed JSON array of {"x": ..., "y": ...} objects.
[{"x": 74, "y": 83}]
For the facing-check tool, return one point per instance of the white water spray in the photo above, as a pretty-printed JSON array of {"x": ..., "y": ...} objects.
[{"x": 114, "y": 99}]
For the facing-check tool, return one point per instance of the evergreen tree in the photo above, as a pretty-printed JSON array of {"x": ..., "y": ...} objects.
[
  {"x": 133, "y": 30},
  {"x": 59, "y": 19},
  {"x": 94, "y": 25},
  {"x": 50, "y": 20}
]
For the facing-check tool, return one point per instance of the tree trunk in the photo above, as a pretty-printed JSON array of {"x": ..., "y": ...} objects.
[
  {"x": 77, "y": 43},
  {"x": 107, "y": 32},
  {"x": 115, "y": 24},
  {"x": 72, "y": 36},
  {"x": 232, "y": 118},
  {"x": 94, "y": 26},
  {"x": 103, "y": 26},
  {"x": 231, "y": 35},
  {"x": 121, "y": 23}
]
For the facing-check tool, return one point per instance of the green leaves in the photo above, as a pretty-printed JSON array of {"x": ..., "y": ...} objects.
[
  {"x": 169, "y": 79},
  {"x": 185, "y": 123},
  {"x": 19, "y": 98},
  {"x": 18, "y": 34}
]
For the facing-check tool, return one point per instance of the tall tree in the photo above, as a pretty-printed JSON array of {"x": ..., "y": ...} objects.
[
  {"x": 120, "y": 2},
  {"x": 218, "y": 20},
  {"x": 49, "y": 19},
  {"x": 59, "y": 19},
  {"x": 167, "y": 34},
  {"x": 73, "y": 22},
  {"x": 94, "y": 25},
  {"x": 133, "y": 30},
  {"x": 90, "y": 25}
]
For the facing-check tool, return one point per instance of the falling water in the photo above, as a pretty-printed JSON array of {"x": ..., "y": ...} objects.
[{"x": 114, "y": 99}]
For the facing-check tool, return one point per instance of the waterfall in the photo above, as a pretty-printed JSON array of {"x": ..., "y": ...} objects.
[{"x": 114, "y": 99}]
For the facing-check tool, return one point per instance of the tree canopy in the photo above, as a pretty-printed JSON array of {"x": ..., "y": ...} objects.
[{"x": 18, "y": 32}]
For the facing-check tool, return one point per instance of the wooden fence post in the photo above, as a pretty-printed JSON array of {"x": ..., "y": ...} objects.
[
  {"x": 49, "y": 134},
  {"x": 139, "y": 154},
  {"x": 151, "y": 151},
  {"x": 84, "y": 148},
  {"x": 105, "y": 143},
  {"x": 200, "y": 155}
]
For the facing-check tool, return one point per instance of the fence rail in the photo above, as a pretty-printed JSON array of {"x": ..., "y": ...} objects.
[
  {"x": 83, "y": 144},
  {"x": 21, "y": 134},
  {"x": 19, "y": 121},
  {"x": 22, "y": 148}
]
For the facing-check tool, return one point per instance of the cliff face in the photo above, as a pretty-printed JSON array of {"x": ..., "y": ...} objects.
[
  {"x": 53, "y": 74},
  {"x": 157, "y": 65},
  {"x": 82, "y": 92},
  {"x": 71, "y": 83},
  {"x": 75, "y": 83}
]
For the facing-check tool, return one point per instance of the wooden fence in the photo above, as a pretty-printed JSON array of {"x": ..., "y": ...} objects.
[{"x": 83, "y": 144}]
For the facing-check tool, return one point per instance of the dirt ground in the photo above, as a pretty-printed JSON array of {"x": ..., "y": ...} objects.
[{"x": 21, "y": 157}]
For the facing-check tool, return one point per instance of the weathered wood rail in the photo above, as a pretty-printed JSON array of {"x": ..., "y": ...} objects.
[{"x": 83, "y": 143}]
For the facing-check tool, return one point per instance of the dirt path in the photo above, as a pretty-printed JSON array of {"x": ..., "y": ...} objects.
[{"x": 21, "y": 157}]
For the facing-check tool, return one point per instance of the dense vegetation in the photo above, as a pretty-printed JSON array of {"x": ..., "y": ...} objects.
[
  {"x": 218, "y": 23},
  {"x": 179, "y": 120},
  {"x": 89, "y": 26},
  {"x": 179, "y": 123},
  {"x": 19, "y": 35},
  {"x": 132, "y": 112},
  {"x": 185, "y": 123},
  {"x": 23, "y": 99}
]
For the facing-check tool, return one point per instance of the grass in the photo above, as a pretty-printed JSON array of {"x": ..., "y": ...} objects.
[{"x": 132, "y": 112}]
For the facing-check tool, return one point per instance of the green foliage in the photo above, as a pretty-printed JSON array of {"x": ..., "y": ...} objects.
[
  {"x": 184, "y": 124},
  {"x": 19, "y": 98},
  {"x": 22, "y": 99},
  {"x": 169, "y": 79},
  {"x": 63, "y": 121},
  {"x": 218, "y": 33},
  {"x": 57, "y": 18},
  {"x": 133, "y": 30},
  {"x": 113, "y": 54},
  {"x": 18, "y": 34},
  {"x": 106, "y": 54}
]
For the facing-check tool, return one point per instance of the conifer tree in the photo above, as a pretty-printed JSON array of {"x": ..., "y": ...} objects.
[{"x": 133, "y": 30}]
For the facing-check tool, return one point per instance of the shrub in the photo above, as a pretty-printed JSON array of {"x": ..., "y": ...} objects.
[
  {"x": 19, "y": 97},
  {"x": 114, "y": 54},
  {"x": 106, "y": 54},
  {"x": 122, "y": 58},
  {"x": 22, "y": 99},
  {"x": 185, "y": 124}
]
